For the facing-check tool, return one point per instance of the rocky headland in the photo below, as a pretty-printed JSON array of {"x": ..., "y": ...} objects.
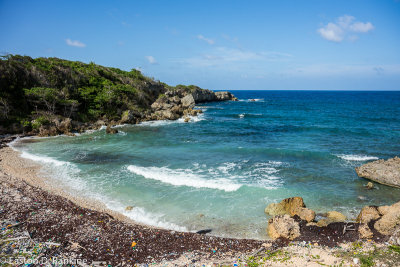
[
  {"x": 385, "y": 172},
  {"x": 51, "y": 96}
]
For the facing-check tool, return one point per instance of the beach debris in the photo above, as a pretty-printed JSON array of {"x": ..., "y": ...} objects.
[{"x": 203, "y": 232}]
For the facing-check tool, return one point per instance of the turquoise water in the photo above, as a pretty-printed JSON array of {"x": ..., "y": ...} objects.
[{"x": 220, "y": 170}]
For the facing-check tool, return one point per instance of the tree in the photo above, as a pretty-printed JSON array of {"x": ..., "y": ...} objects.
[{"x": 43, "y": 95}]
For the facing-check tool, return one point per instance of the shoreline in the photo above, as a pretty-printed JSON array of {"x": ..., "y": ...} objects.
[{"x": 87, "y": 229}]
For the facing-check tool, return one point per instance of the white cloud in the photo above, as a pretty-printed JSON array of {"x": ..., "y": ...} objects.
[
  {"x": 345, "y": 27},
  {"x": 362, "y": 27},
  {"x": 151, "y": 60},
  {"x": 208, "y": 40},
  {"x": 75, "y": 43},
  {"x": 332, "y": 32}
]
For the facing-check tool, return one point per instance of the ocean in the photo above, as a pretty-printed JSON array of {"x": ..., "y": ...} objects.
[{"x": 222, "y": 169}]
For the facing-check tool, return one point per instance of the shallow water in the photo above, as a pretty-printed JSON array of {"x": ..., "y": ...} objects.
[{"x": 221, "y": 170}]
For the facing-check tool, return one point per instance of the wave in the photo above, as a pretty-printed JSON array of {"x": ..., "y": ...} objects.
[
  {"x": 140, "y": 215},
  {"x": 157, "y": 123},
  {"x": 182, "y": 177},
  {"x": 252, "y": 100},
  {"x": 351, "y": 157},
  {"x": 44, "y": 159}
]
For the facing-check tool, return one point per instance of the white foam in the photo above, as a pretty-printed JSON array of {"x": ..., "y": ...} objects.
[
  {"x": 43, "y": 159},
  {"x": 181, "y": 177},
  {"x": 351, "y": 157},
  {"x": 241, "y": 116},
  {"x": 140, "y": 215}
]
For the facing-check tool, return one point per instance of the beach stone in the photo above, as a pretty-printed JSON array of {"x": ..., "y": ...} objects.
[
  {"x": 129, "y": 208},
  {"x": 283, "y": 226},
  {"x": 187, "y": 119},
  {"x": 305, "y": 214},
  {"x": 388, "y": 223},
  {"x": 286, "y": 206},
  {"x": 335, "y": 216},
  {"x": 364, "y": 231},
  {"x": 369, "y": 185},
  {"x": 323, "y": 223},
  {"x": 385, "y": 172},
  {"x": 367, "y": 214}
]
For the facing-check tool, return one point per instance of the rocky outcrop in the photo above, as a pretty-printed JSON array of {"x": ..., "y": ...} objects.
[
  {"x": 291, "y": 206},
  {"x": 283, "y": 226},
  {"x": 367, "y": 214},
  {"x": 385, "y": 172},
  {"x": 224, "y": 96},
  {"x": 385, "y": 219},
  {"x": 176, "y": 103}
]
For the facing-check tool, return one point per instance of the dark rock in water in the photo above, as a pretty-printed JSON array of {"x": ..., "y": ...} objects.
[
  {"x": 381, "y": 171},
  {"x": 110, "y": 130},
  {"x": 203, "y": 232}
]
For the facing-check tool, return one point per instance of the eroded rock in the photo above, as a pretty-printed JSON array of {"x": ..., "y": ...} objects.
[
  {"x": 386, "y": 172},
  {"x": 283, "y": 226}
]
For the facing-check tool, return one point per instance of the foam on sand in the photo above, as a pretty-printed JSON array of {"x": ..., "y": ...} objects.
[{"x": 181, "y": 177}]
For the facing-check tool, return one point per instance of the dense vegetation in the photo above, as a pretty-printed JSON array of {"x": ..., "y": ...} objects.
[{"x": 31, "y": 90}]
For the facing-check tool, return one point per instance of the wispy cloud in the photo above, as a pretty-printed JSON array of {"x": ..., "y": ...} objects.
[
  {"x": 75, "y": 43},
  {"x": 151, "y": 60},
  {"x": 208, "y": 40},
  {"x": 220, "y": 56},
  {"x": 344, "y": 27}
]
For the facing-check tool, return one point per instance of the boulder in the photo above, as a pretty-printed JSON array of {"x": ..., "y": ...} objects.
[
  {"x": 390, "y": 221},
  {"x": 305, "y": 214},
  {"x": 187, "y": 119},
  {"x": 367, "y": 214},
  {"x": 364, "y": 231},
  {"x": 291, "y": 206},
  {"x": 334, "y": 216},
  {"x": 129, "y": 208},
  {"x": 64, "y": 126},
  {"x": 370, "y": 186},
  {"x": 283, "y": 226},
  {"x": 386, "y": 172},
  {"x": 110, "y": 130},
  {"x": 188, "y": 101},
  {"x": 286, "y": 206}
]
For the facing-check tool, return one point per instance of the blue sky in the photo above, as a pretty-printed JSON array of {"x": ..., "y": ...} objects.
[{"x": 233, "y": 45}]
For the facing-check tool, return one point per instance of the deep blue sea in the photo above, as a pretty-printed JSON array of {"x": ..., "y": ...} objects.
[{"x": 224, "y": 167}]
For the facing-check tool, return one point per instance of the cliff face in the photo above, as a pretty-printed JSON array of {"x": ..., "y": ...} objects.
[{"x": 49, "y": 96}]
